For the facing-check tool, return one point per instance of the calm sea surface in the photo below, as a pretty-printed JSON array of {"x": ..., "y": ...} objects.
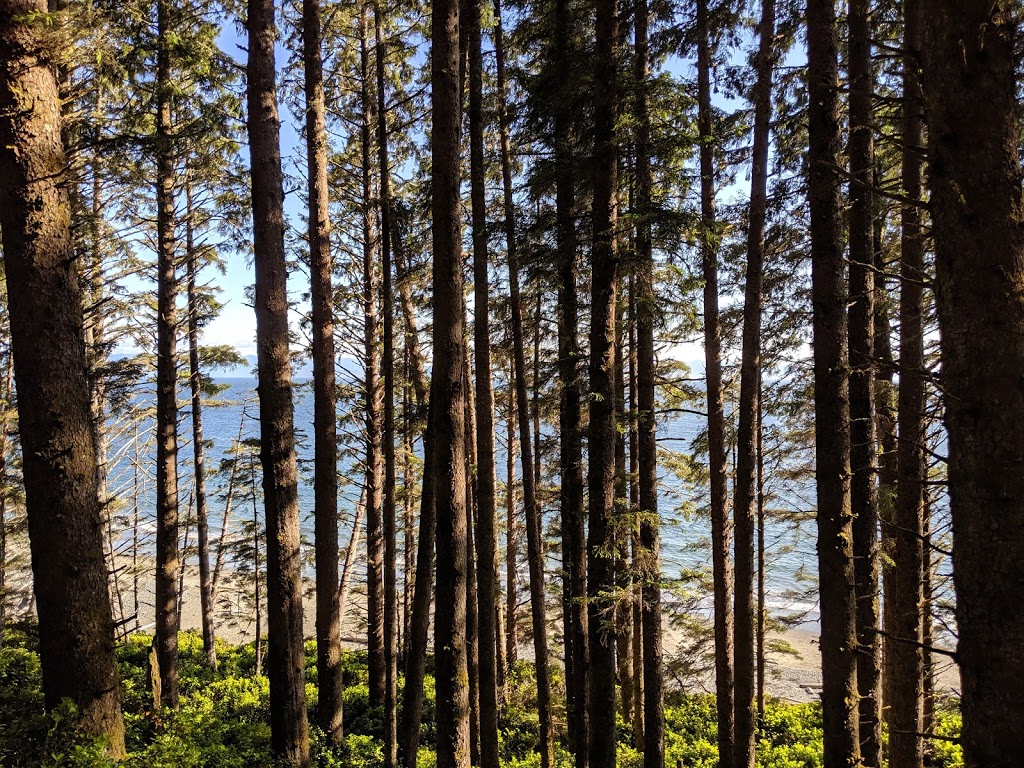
[{"x": 790, "y": 547}]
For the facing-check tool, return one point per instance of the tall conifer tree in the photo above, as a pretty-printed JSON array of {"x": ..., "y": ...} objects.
[{"x": 288, "y": 719}]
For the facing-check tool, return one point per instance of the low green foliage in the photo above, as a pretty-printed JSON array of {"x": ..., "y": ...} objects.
[
  {"x": 224, "y": 720},
  {"x": 945, "y": 751}
]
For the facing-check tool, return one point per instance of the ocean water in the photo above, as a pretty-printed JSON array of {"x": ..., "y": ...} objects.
[{"x": 686, "y": 534}]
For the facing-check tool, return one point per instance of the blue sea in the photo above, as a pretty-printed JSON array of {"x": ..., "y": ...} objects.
[{"x": 789, "y": 536}]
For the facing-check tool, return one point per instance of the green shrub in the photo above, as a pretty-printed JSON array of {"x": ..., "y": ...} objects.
[
  {"x": 226, "y": 724},
  {"x": 942, "y": 752},
  {"x": 363, "y": 751},
  {"x": 23, "y": 726},
  {"x": 224, "y": 719}
]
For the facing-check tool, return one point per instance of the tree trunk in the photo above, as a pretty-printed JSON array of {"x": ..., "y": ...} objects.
[
  {"x": 7, "y": 401},
  {"x": 762, "y": 612},
  {"x": 408, "y": 518},
  {"x": 863, "y": 499},
  {"x": 472, "y": 602},
  {"x": 535, "y": 380},
  {"x": 927, "y": 630},
  {"x": 372, "y": 396},
  {"x": 831, "y": 397},
  {"x": 184, "y": 549},
  {"x": 417, "y": 612},
  {"x": 59, "y": 461},
  {"x": 419, "y": 621},
  {"x": 646, "y": 317},
  {"x": 419, "y": 625},
  {"x": 905, "y": 659},
  {"x": 574, "y": 554},
  {"x": 512, "y": 536},
  {"x": 420, "y": 384},
  {"x": 885, "y": 428},
  {"x": 472, "y": 631},
  {"x": 499, "y": 653},
  {"x": 472, "y": 618},
  {"x": 288, "y": 723},
  {"x": 719, "y": 500},
  {"x": 198, "y": 449},
  {"x": 388, "y": 357},
  {"x": 135, "y": 530},
  {"x": 973, "y": 126},
  {"x": 624, "y": 578},
  {"x": 634, "y": 538},
  {"x": 166, "y": 595},
  {"x": 257, "y": 597},
  {"x": 486, "y": 515},
  {"x": 534, "y": 545},
  {"x": 325, "y": 429},
  {"x": 448, "y": 393},
  {"x": 601, "y": 535},
  {"x": 749, "y": 406}
]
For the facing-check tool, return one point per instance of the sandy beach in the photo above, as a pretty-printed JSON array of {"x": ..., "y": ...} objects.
[{"x": 792, "y": 676}]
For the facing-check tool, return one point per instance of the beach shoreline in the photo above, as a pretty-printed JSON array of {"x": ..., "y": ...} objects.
[{"x": 793, "y": 676}]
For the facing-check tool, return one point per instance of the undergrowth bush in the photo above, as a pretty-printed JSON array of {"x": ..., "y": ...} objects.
[{"x": 224, "y": 719}]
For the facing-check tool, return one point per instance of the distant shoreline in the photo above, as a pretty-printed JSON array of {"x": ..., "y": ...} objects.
[{"x": 791, "y": 677}]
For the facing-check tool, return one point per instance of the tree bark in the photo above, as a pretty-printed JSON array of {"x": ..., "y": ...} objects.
[
  {"x": 604, "y": 278},
  {"x": 408, "y": 518},
  {"x": 417, "y": 603},
  {"x": 388, "y": 357},
  {"x": 486, "y": 515},
  {"x": 198, "y": 448},
  {"x": 831, "y": 397},
  {"x": 449, "y": 392},
  {"x": 625, "y": 579},
  {"x": 973, "y": 126},
  {"x": 372, "y": 395},
  {"x": 762, "y": 612},
  {"x": 927, "y": 629},
  {"x": 512, "y": 536},
  {"x": 649, "y": 568},
  {"x": 574, "y": 554},
  {"x": 536, "y": 382},
  {"x": 256, "y": 570},
  {"x": 719, "y": 500},
  {"x": 8, "y": 406},
  {"x": 472, "y": 601},
  {"x": 325, "y": 429},
  {"x": 288, "y": 720},
  {"x": 419, "y": 621},
  {"x": 534, "y": 545},
  {"x": 166, "y": 594},
  {"x": 863, "y": 463},
  {"x": 885, "y": 429},
  {"x": 45, "y": 308},
  {"x": 749, "y": 406},
  {"x": 419, "y": 625},
  {"x": 905, "y": 659},
  {"x": 418, "y": 374},
  {"x": 634, "y": 537}
]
